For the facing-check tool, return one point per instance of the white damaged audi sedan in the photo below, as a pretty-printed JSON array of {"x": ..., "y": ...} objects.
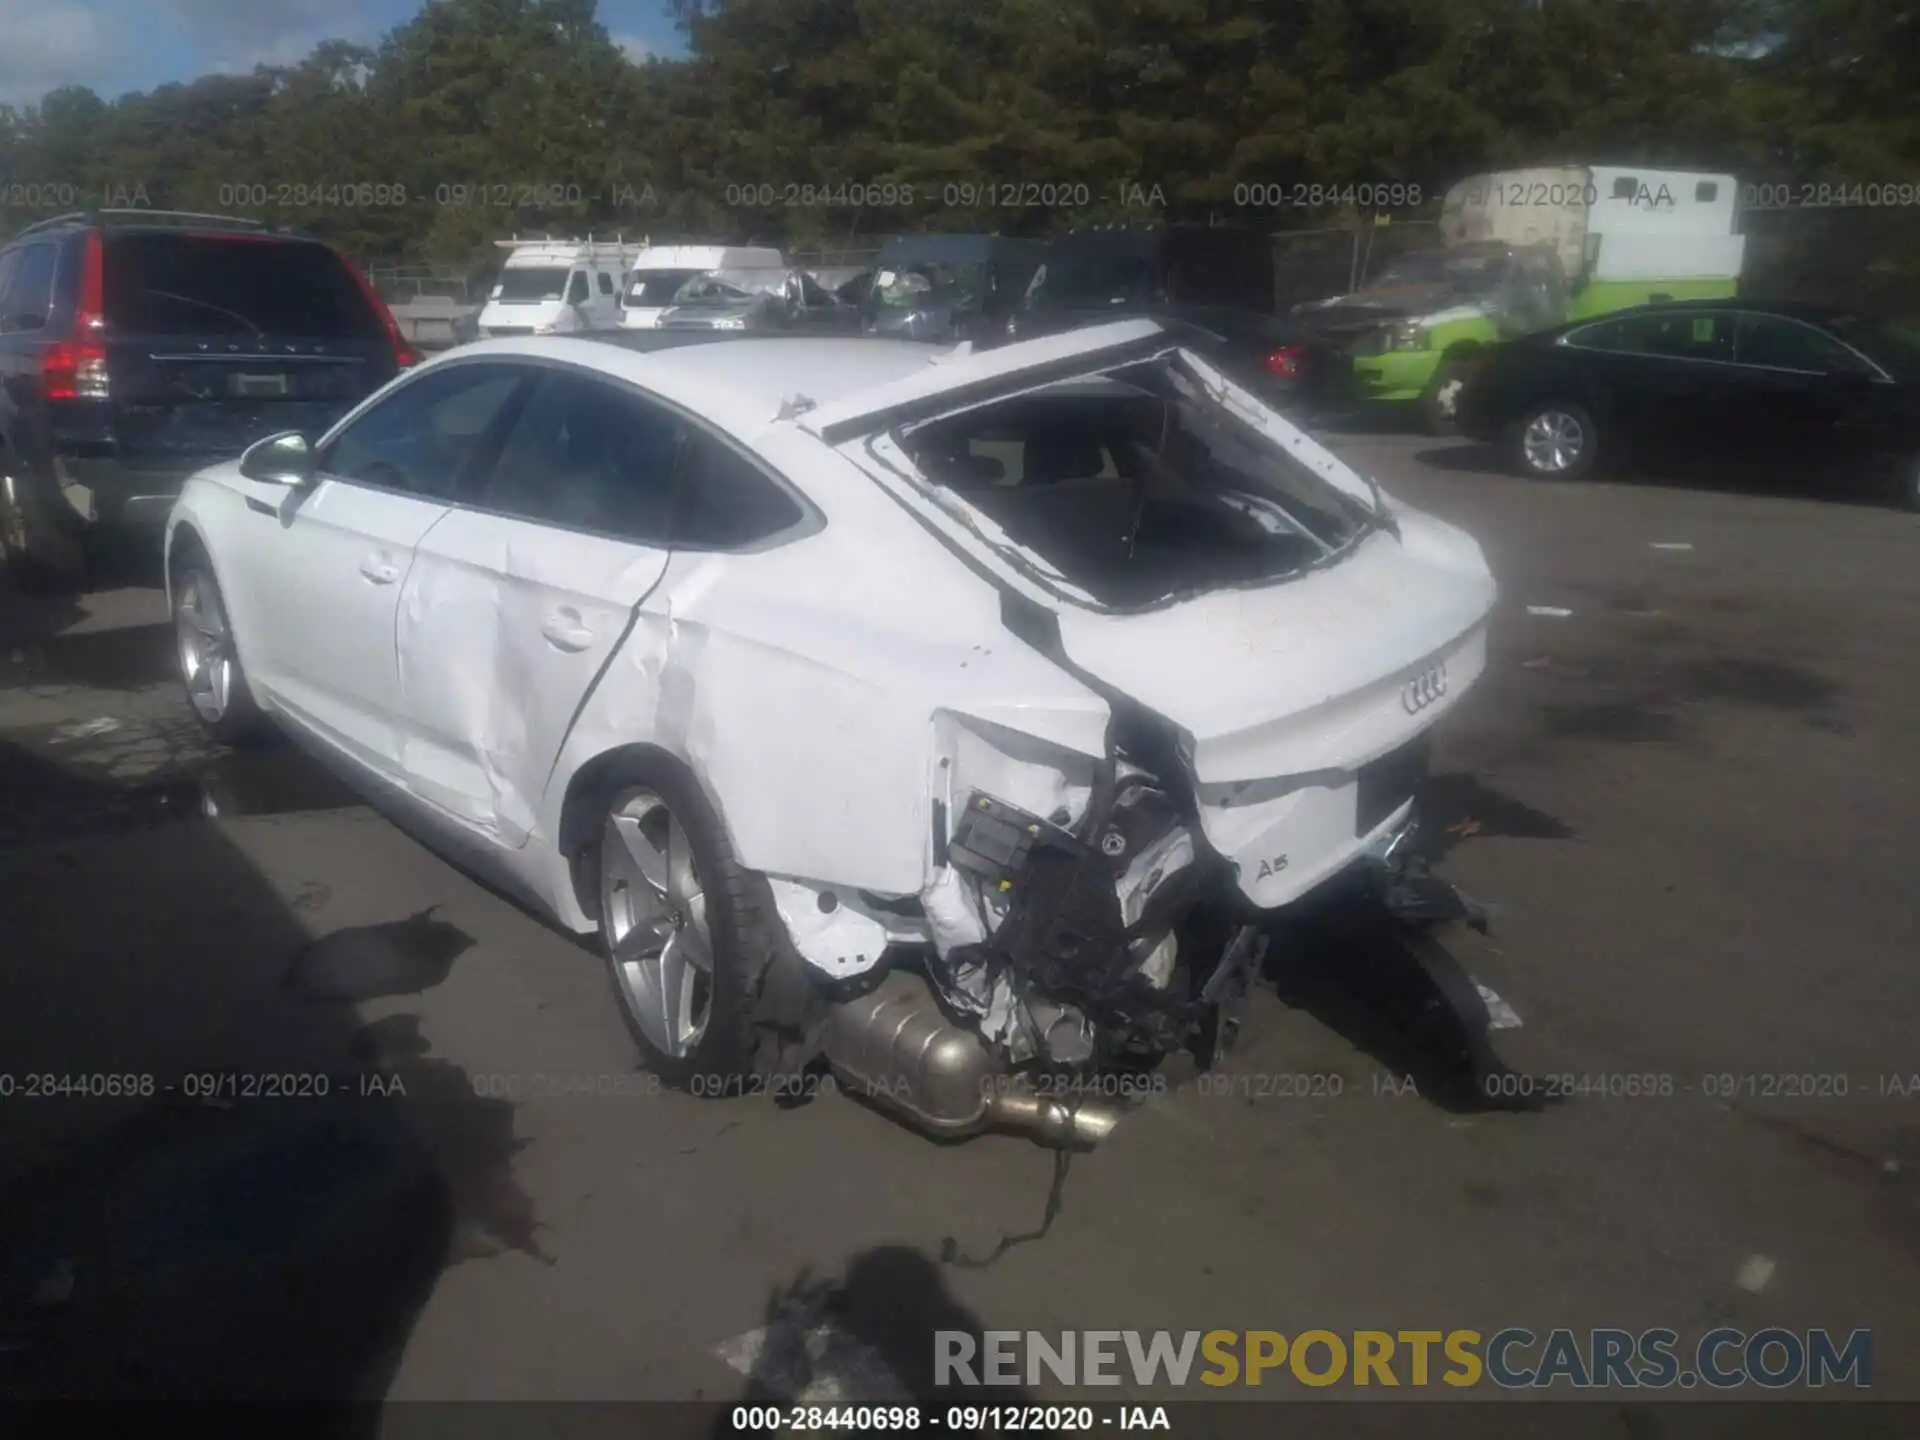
[{"x": 941, "y": 718}]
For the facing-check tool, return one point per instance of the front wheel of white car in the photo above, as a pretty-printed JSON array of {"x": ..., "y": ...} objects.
[
  {"x": 685, "y": 937},
  {"x": 210, "y": 670}
]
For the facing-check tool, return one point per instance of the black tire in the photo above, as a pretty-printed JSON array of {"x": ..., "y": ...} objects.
[
  {"x": 1526, "y": 451},
  {"x": 745, "y": 934},
  {"x": 240, "y": 723},
  {"x": 1438, "y": 406},
  {"x": 38, "y": 555}
]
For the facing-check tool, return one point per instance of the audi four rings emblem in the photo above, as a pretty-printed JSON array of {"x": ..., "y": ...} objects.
[{"x": 1423, "y": 690}]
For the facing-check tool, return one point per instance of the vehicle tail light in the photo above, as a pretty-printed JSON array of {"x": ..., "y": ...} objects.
[
  {"x": 76, "y": 368},
  {"x": 404, "y": 354},
  {"x": 1285, "y": 362}
]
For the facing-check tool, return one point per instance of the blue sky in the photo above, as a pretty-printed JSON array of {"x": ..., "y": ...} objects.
[{"x": 115, "y": 46}]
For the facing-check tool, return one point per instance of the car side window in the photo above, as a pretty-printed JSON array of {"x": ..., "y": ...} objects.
[
  {"x": 29, "y": 291},
  {"x": 1614, "y": 335},
  {"x": 606, "y": 282},
  {"x": 1689, "y": 335},
  {"x": 588, "y": 455},
  {"x": 725, "y": 500},
  {"x": 420, "y": 438},
  {"x": 1781, "y": 344}
]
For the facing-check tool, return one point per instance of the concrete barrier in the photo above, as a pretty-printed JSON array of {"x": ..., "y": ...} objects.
[{"x": 432, "y": 322}]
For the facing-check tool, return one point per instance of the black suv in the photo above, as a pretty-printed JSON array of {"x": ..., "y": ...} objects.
[{"x": 137, "y": 347}]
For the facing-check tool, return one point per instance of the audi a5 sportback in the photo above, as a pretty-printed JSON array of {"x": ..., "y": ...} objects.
[
  {"x": 138, "y": 346},
  {"x": 943, "y": 714}
]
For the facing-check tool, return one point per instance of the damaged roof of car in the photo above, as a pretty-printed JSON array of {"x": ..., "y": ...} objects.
[
  {"x": 769, "y": 368},
  {"x": 854, "y": 383}
]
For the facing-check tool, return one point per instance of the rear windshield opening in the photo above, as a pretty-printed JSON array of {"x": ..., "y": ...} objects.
[
  {"x": 185, "y": 284},
  {"x": 1137, "y": 487}
]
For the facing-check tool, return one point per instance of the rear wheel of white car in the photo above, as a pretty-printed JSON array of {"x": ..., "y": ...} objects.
[
  {"x": 686, "y": 936},
  {"x": 209, "y": 661},
  {"x": 1555, "y": 440}
]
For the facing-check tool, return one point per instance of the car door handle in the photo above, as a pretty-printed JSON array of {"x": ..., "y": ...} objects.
[
  {"x": 379, "y": 570},
  {"x": 565, "y": 632}
]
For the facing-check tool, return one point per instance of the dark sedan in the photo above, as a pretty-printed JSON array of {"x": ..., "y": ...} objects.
[{"x": 1812, "y": 388}]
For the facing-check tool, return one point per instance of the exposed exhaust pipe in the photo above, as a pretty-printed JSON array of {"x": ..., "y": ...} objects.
[{"x": 896, "y": 1047}]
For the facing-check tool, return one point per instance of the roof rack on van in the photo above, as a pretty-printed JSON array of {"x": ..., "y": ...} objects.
[
  {"x": 145, "y": 217},
  {"x": 618, "y": 242}
]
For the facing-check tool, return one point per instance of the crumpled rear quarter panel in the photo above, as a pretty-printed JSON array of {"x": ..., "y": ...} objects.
[{"x": 802, "y": 684}]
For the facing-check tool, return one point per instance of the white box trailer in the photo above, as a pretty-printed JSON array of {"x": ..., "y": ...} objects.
[{"x": 1622, "y": 234}]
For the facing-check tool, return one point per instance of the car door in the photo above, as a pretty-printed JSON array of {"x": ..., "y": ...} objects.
[
  {"x": 320, "y": 570},
  {"x": 1665, "y": 379},
  {"x": 1811, "y": 396},
  {"x": 574, "y": 306},
  {"x": 604, "y": 309},
  {"x": 520, "y": 597}
]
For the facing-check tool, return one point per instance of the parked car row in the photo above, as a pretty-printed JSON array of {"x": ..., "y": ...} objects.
[{"x": 137, "y": 346}]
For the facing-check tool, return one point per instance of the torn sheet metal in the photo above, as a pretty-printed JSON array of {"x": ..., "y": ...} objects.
[
  {"x": 838, "y": 931},
  {"x": 813, "y": 715},
  {"x": 839, "y": 693}
]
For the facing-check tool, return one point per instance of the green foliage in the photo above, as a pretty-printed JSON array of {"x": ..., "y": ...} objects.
[{"x": 478, "y": 118}]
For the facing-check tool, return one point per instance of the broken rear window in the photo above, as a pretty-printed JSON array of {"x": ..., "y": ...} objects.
[{"x": 1137, "y": 487}]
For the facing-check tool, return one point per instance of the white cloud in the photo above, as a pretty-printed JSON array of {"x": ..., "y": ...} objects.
[
  {"x": 237, "y": 35},
  {"x": 634, "y": 48},
  {"x": 46, "y": 45}
]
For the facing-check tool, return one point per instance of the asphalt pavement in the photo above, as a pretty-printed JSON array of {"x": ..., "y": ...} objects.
[{"x": 1686, "y": 788}]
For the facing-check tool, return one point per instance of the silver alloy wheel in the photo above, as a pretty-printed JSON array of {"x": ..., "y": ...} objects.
[
  {"x": 206, "y": 647},
  {"x": 654, "y": 916},
  {"x": 1553, "y": 441},
  {"x": 1446, "y": 397}
]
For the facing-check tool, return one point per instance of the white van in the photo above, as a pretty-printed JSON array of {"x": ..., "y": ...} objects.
[
  {"x": 554, "y": 287},
  {"x": 660, "y": 271}
]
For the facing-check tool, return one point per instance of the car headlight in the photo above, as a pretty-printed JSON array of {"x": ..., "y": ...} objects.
[{"x": 1409, "y": 337}]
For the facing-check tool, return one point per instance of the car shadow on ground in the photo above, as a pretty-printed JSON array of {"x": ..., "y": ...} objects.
[
  {"x": 1756, "y": 476},
  {"x": 871, "y": 1337},
  {"x": 218, "y": 1182},
  {"x": 1396, "y": 990}
]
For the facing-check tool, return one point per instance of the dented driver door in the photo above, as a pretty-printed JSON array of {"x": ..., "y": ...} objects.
[{"x": 520, "y": 598}]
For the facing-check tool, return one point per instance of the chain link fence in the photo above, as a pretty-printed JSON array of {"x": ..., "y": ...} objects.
[{"x": 1314, "y": 263}]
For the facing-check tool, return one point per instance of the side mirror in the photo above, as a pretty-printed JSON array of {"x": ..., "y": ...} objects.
[{"x": 283, "y": 459}]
